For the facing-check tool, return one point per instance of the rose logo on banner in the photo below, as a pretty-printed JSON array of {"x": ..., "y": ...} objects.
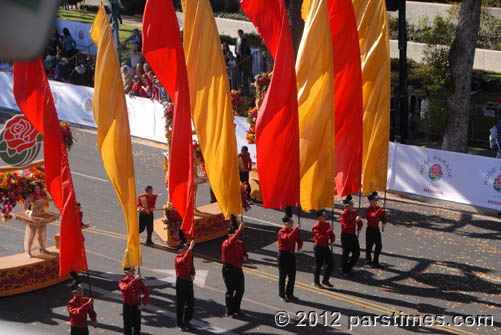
[
  {"x": 435, "y": 168},
  {"x": 20, "y": 142},
  {"x": 435, "y": 172},
  {"x": 497, "y": 183},
  {"x": 88, "y": 105}
]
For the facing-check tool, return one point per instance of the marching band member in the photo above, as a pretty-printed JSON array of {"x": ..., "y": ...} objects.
[
  {"x": 323, "y": 254},
  {"x": 287, "y": 239},
  {"x": 374, "y": 214},
  {"x": 145, "y": 205},
  {"x": 349, "y": 239},
  {"x": 78, "y": 308},
  {"x": 234, "y": 254},
  {"x": 130, "y": 286},
  {"x": 185, "y": 274}
]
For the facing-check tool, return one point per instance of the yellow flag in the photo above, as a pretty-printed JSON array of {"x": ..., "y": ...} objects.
[
  {"x": 375, "y": 55},
  {"x": 212, "y": 112},
  {"x": 113, "y": 133},
  {"x": 315, "y": 77}
]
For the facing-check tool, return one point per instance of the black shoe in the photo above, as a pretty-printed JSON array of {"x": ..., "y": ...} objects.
[
  {"x": 326, "y": 283},
  {"x": 317, "y": 285},
  {"x": 229, "y": 314},
  {"x": 188, "y": 326},
  {"x": 181, "y": 327},
  {"x": 150, "y": 242},
  {"x": 292, "y": 298},
  {"x": 240, "y": 314},
  {"x": 376, "y": 265},
  {"x": 368, "y": 263},
  {"x": 284, "y": 299}
]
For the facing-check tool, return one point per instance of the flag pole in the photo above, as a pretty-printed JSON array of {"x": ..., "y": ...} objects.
[{"x": 384, "y": 208}]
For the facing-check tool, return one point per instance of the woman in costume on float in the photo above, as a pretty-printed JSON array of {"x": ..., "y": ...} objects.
[{"x": 34, "y": 206}]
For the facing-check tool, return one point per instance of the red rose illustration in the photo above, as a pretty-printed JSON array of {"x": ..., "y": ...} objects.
[
  {"x": 19, "y": 134},
  {"x": 498, "y": 180},
  {"x": 436, "y": 170}
]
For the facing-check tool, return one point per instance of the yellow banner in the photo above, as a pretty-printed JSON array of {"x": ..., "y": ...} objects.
[
  {"x": 113, "y": 133},
  {"x": 376, "y": 80},
  {"x": 212, "y": 112},
  {"x": 315, "y": 77}
]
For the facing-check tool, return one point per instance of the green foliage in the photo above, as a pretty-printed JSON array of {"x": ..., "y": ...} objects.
[
  {"x": 435, "y": 70},
  {"x": 442, "y": 32},
  {"x": 227, "y": 39},
  {"x": 437, "y": 119},
  {"x": 244, "y": 106}
]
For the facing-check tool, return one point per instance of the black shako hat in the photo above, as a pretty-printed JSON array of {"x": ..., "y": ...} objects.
[
  {"x": 286, "y": 219},
  {"x": 320, "y": 213},
  {"x": 348, "y": 200},
  {"x": 373, "y": 196}
]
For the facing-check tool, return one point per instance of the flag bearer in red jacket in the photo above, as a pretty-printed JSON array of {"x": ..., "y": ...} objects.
[
  {"x": 130, "y": 286},
  {"x": 78, "y": 308},
  {"x": 351, "y": 225},
  {"x": 234, "y": 254},
  {"x": 287, "y": 239},
  {"x": 374, "y": 214},
  {"x": 323, "y": 237},
  {"x": 185, "y": 274}
]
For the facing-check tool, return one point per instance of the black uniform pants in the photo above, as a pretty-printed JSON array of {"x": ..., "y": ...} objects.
[
  {"x": 235, "y": 287},
  {"x": 146, "y": 221},
  {"x": 373, "y": 236},
  {"x": 287, "y": 268},
  {"x": 184, "y": 296},
  {"x": 323, "y": 255},
  {"x": 79, "y": 331},
  {"x": 350, "y": 245},
  {"x": 244, "y": 179},
  {"x": 132, "y": 319}
]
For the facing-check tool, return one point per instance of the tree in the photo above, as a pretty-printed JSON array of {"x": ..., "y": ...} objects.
[
  {"x": 461, "y": 56},
  {"x": 295, "y": 21}
]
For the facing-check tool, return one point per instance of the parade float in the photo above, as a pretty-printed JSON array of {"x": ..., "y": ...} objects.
[
  {"x": 20, "y": 145},
  {"x": 262, "y": 82},
  {"x": 209, "y": 221}
]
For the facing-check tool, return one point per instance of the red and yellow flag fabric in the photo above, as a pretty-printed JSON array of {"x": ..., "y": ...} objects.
[
  {"x": 211, "y": 108},
  {"x": 376, "y": 79},
  {"x": 277, "y": 133},
  {"x": 113, "y": 133},
  {"x": 347, "y": 97},
  {"x": 34, "y": 98},
  {"x": 315, "y": 77},
  {"x": 164, "y": 52}
]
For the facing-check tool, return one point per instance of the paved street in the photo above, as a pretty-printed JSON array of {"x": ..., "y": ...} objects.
[{"x": 439, "y": 261}]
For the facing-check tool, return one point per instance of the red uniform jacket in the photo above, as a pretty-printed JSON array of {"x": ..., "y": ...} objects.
[
  {"x": 348, "y": 222},
  {"x": 150, "y": 200},
  {"x": 130, "y": 291},
  {"x": 246, "y": 162},
  {"x": 184, "y": 266},
  {"x": 374, "y": 215},
  {"x": 287, "y": 239},
  {"x": 233, "y": 251},
  {"x": 323, "y": 232},
  {"x": 78, "y": 309}
]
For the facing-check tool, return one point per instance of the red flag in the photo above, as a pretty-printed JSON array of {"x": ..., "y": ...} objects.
[
  {"x": 164, "y": 52},
  {"x": 277, "y": 128},
  {"x": 347, "y": 97},
  {"x": 34, "y": 98}
]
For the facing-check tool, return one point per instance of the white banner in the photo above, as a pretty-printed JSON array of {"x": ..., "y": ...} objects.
[
  {"x": 74, "y": 104},
  {"x": 80, "y": 33},
  {"x": 467, "y": 179}
]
